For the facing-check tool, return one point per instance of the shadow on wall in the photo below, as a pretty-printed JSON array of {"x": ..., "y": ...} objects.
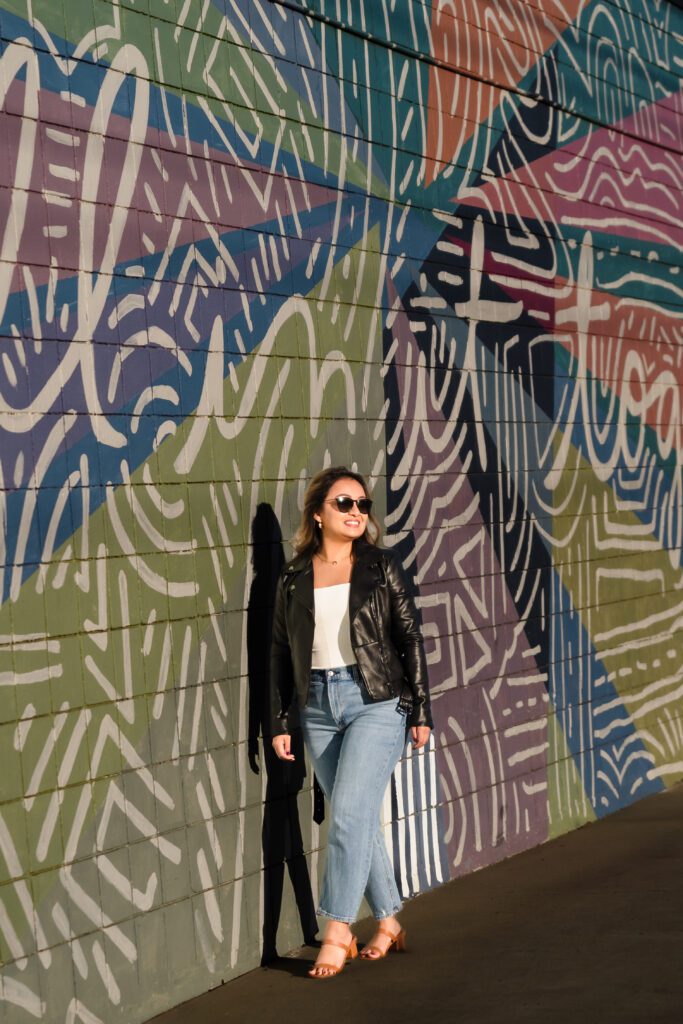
[{"x": 281, "y": 834}]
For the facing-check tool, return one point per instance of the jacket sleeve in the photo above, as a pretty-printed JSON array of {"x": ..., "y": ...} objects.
[
  {"x": 407, "y": 637},
  {"x": 281, "y": 676}
]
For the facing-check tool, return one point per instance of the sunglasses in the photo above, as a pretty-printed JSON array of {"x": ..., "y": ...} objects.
[{"x": 345, "y": 504}]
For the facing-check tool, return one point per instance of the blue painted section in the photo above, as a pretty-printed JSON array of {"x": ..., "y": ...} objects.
[
  {"x": 398, "y": 143},
  {"x": 580, "y": 691},
  {"x": 139, "y": 445}
]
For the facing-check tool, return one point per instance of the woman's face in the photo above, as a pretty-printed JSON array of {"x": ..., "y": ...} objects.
[{"x": 342, "y": 526}]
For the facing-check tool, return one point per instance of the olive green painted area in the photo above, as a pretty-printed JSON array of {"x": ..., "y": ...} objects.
[
  {"x": 129, "y": 787},
  {"x": 633, "y": 613}
]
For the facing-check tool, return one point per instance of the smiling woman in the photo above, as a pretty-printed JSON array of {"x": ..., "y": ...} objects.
[{"x": 347, "y": 644}]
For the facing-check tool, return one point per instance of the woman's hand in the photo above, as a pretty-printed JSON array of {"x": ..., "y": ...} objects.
[
  {"x": 282, "y": 745},
  {"x": 420, "y": 735}
]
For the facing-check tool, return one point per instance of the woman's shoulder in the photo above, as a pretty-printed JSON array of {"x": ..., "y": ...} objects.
[
  {"x": 395, "y": 570},
  {"x": 297, "y": 563},
  {"x": 375, "y": 553},
  {"x": 389, "y": 555}
]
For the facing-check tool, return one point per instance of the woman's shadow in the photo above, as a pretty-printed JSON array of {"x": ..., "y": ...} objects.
[{"x": 281, "y": 834}]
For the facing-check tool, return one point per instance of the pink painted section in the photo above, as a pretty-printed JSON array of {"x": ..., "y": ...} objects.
[
  {"x": 608, "y": 181},
  {"x": 485, "y": 679},
  {"x": 179, "y": 194},
  {"x": 623, "y": 358}
]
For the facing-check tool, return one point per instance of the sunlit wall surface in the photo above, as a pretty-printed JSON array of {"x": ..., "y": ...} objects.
[{"x": 242, "y": 239}]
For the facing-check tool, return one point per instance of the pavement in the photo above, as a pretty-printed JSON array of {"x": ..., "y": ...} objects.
[{"x": 587, "y": 929}]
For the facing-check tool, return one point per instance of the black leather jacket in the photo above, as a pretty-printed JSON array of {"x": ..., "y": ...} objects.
[{"x": 385, "y": 635}]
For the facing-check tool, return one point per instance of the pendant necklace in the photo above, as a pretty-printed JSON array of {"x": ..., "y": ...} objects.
[{"x": 331, "y": 561}]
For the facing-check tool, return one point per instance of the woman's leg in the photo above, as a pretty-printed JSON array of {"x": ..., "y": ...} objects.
[
  {"x": 372, "y": 744},
  {"x": 354, "y": 745},
  {"x": 381, "y": 892},
  {"x": 323, "y": 738}
]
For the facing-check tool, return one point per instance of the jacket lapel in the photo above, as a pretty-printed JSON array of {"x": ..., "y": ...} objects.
[{"x": 299, "y": 580}]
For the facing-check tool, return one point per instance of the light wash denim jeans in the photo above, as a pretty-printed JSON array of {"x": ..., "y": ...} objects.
[{"x": 354, "y": 744}]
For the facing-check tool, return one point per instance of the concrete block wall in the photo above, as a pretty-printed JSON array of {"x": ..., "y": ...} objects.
[{"x": 241, "y": 239}]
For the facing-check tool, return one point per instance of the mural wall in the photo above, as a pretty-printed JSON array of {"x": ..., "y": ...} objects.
[{"x": 241, "y": 239}]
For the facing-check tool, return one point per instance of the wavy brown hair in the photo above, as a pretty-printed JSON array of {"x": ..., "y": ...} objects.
[{"x": 308, "y": 539}]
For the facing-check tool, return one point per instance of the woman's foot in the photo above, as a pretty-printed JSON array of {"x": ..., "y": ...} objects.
[
  {"x": 338, "y": 944},
  {"x": 389, "y": 932}
]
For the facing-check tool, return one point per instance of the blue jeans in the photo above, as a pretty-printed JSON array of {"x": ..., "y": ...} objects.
[{"x": 354, "y": 744}]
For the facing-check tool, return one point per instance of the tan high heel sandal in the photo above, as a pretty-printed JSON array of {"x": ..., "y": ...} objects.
[
  {"x": 351, "y": 951},
  {"x": 397, "y": 944}
]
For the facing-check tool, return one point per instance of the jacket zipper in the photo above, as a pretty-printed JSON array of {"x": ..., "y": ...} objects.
[{"x": 375, "y": 615}]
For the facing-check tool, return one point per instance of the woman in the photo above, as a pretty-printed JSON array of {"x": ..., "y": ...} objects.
[{"x": 347, "y": 643}]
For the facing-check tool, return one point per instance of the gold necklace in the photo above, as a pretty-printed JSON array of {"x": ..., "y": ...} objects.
[{"x": 331, "y": 561}]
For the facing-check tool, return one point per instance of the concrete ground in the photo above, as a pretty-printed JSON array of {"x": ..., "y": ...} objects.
[{"x": 587, "y": 928}]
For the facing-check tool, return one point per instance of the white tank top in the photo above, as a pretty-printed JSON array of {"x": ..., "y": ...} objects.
[{"x": 332, "y": 638}]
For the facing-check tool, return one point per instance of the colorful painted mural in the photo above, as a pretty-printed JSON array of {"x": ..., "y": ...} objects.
[{"x": 242, "y": 239}]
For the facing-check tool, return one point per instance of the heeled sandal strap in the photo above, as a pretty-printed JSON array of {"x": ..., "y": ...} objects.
[
  {"x": 377, "y": 950},
  {"x": 346, "y": 946},
  {"x": 350, "y": 950}
]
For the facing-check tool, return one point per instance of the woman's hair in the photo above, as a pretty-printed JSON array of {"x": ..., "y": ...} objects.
[{"x": 308, "y": 537}]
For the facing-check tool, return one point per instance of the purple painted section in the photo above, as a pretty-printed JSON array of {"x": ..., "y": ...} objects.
[
  {"x": 177, "y": 198},
  {"x": 488, "y": 690}
]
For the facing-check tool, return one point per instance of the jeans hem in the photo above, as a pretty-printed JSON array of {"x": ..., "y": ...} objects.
[
  {"x": 334, "y": 917},
  {"x": 382, "y": 916}
]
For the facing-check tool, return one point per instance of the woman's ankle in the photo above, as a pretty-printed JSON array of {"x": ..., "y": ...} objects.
[
  {"x": 391, "y": 923},
  {"x": 337, "y": 931}
]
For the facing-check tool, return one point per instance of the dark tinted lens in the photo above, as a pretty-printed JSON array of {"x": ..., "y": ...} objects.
[{"x": 345, "y": 504}]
